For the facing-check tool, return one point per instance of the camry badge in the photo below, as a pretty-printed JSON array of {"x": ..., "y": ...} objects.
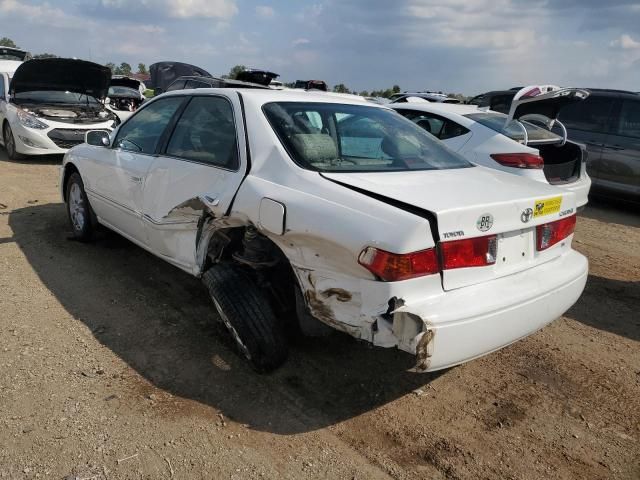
[
  {"x": 526, "y": 215},
  {"x": 485, "y": 222}
]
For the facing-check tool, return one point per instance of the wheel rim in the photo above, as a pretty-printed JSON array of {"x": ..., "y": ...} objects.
[
  {"x": 243, "y": 348},
  {"x": 9, "y": 142},
  {"x": 76, "y": 207}
]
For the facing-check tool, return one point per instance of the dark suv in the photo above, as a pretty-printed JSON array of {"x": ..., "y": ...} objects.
[
  {"x": 608, "y": 123},
  {"x": 496, "y": 100}
]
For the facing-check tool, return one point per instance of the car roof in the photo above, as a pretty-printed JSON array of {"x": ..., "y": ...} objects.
[
  {"x": 210, "y": 80},
  {"x": 606, "y": 92},
  {"x": 267, "y": 95},
  {"x": 457, "y": 108}
]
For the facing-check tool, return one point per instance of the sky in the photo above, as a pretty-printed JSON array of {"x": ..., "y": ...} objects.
[{"x": 456, "y": 46}]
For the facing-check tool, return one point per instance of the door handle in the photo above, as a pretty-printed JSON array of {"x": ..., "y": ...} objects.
[
  {"x": 594, "y": 144},
  {"x": 613, "y": 147},
  {"x": 210, "y": 201}
]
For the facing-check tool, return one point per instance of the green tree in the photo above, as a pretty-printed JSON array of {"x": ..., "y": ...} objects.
[
  {"x": 7, "y": 42},
  {"x": 125, "y": 69},
  {"x": 233, "y": 73},
  {"x": 45, "y": 55},
  {"x": 142, "y": 69},
  {"x": 341, "y": 88},
  {"x": 111, "y": 66},
  {"x": 364, "y": 93},
  {"x": 395, "y": 89}
]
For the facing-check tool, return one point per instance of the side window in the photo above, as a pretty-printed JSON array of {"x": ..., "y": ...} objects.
[
  {"x": 435, "y": 125},
  {"x": 196, "y": 84},
  {"x": 2, "y": 90},
  {"x": 452, "y": 130},
  {"x": 142, "y": 132},
  {"x": 629, "y": 121},
  {"x": 501, "y": 103},
  {"x": 177, "y": 85},
  {"x": 590, "y": 115},
  {"x": 206, "y": 133}
]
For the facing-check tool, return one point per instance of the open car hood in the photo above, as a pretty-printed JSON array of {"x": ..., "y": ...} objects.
[
  {"x": 61, "y": 74},
  {"x": 164, "y": 73},
  {"x": 125, "y": 82},
  {"x": 543, "y": 101},
  {"x": 261, "y": 77}
]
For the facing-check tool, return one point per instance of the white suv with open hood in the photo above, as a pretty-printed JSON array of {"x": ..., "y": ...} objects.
[
  {"x": 529, "y": 141},
  {"x": 301, "y": 210},
  {"x": 50, "y": 104}
]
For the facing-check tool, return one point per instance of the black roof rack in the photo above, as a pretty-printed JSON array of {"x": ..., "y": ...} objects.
[{"x": 612, "y": 90}]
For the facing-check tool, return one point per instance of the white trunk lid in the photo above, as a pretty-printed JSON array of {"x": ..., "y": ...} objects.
[
  {"x": 543, "y": 102},
  {"x": 461, "y": 198}
]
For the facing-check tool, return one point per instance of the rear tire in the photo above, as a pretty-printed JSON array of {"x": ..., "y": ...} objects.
[
  {"x": 81, "y": 217},
  {"x": 248, "y": 316},
  {"x": 10, "y": 143}
]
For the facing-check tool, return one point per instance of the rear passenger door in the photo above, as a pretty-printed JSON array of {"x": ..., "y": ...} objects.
[
  {"x": 588, "y": 122},
  {"x": 620, "y": 163},
  {"x": 202, "y": 163}
]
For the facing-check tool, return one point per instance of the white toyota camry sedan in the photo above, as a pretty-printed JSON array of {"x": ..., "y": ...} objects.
[
  {"x": 301, "y": 211},
  {"x": 529, "y": 142}
]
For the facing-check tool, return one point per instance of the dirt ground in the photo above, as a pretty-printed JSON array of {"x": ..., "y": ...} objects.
[{"x": 112, "y": 368}]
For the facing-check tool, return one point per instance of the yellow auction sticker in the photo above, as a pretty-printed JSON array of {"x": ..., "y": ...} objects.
[{"x": 547, "y": 207}]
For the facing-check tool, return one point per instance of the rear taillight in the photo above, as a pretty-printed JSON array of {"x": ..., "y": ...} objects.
[
  {"x": 393, "y": 267},
  {"x": 549, "y": 234},
  {"x": 472, "y": 252},
  {"x": 518, "y": 160}
]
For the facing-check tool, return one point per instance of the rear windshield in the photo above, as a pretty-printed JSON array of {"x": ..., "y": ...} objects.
[
  {"x": 330, "y": 137},
  {"x": 495, "y": 121}
]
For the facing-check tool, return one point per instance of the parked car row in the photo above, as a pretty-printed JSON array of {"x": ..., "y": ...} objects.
[
  {"x": 443, "y": 230},
  {"x": 608, "y": 125}
]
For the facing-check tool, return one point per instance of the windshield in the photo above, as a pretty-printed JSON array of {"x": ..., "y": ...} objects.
[
  {"x": 13, "y": 54},
  {"x": 495, "y": 121},
  {"x": 123, "y": 91},
  {"x": 330, "y": 137},
  {"x": 44, "y": 96}
]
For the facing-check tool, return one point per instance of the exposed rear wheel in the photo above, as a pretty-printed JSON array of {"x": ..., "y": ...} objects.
[
  {"x": 81, "y": 216},
  {"x": 247, "y": 314}
]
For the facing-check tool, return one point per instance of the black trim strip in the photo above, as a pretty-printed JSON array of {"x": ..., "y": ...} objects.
[{"x": 420, "y": 212}]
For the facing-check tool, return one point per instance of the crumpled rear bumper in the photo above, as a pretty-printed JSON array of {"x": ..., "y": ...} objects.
[{"x": 470, "y": 322}]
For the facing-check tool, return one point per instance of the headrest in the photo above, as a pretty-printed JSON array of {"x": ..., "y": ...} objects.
[{"x": 315, "y": 147}]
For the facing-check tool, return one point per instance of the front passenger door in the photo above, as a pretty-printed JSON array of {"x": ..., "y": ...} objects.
[{"x": 118, "y": 173}]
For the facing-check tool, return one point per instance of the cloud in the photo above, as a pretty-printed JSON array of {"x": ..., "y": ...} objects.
[
  {"x": 54, "y": 17},
  {"x": 265, "y": 11},
  {"x": 217, "y": 9},
  {"x": 300, "y": 41},
  {"x": 222, "y": 9},
  {"x": 625, "y": 42}
]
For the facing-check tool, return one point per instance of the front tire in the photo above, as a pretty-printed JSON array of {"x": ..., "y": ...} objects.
[
  {"x": 79, "y": 211},
  {"x": 10, "y": 143},
  {"x": 247, "y": 314}
]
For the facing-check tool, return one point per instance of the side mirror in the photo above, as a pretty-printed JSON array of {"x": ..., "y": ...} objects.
[
  {"x": 107, "y": 101},
  {"x": 97, "y": 138}
]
